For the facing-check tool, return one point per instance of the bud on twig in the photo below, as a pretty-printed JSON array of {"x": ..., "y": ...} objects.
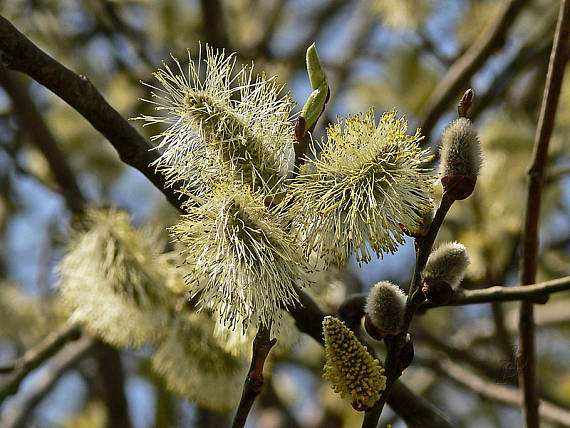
[
  {"x": 385, "y": 307},
  {"x": 460, "y": 158},
  {"x": 444, "y": 271},
  {"x": 466, "y": 102},
  {"x": 315, "y": 104}
]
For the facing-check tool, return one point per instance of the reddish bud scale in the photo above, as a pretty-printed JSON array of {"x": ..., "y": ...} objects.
[
  {"x": 374, "y": 332},
  {"x": 458, "y": 187},
  {"x": 300, "y": 128},
  {"x": 437, "y": 292}
]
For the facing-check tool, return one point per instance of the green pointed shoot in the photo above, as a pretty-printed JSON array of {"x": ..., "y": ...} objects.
[{"x": 316, "y": 102}]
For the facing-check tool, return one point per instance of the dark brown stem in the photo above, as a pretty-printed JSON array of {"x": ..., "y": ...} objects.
[
  {"x": 35, "y": 357},
  {"x": 253, "y": 385},
  {"x": 113, "y": 384},
  {"x": 32, "y": 121},
  {"x": 19, "y": 53},
  {"x": 537, "y": 293},
  {"x": 526, "y": 356},
  {"x": 415, "y": 298},
  {"x": 214, "y": 23}
]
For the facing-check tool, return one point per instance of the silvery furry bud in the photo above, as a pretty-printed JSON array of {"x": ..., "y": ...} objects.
[
  {"x": 384, "y": 309},
  {"x": 460, "y": 158},
  {"x": 444, "y": 271}
]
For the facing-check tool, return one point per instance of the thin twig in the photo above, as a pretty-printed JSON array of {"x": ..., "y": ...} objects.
[
  {"x": 415, "y": 298},
  {"x": 19, "y": 53},
  {"x": 462, "y": 70},
  {"x": 529, "y": 251},
  {"x": 36, "y": 356},
  {"x": 537, "y": 293},
  {"x": 253, "y": 385}
]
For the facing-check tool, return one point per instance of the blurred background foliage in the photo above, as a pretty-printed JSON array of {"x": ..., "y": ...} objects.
[{"x": 380, "y": 53}]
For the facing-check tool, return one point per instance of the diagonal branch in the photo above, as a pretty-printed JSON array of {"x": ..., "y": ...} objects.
[
  {"x": 20, "y": 410},
  {"x": 35, "y": 357},
  {"x": 32, "y": 121},
  {"x": 459, "y": 74},
  {"x": 20, "y": 54},
  {"x": 529, "y": 251}
]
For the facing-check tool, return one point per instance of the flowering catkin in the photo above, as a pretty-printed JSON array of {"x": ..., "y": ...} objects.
[
  {"x": 448, "y": 263},
  {"x": 195, "y": 366},
  {"x": 225, "y": 121},
  {"x": 385, "y": 306},
  {"x": 349, "y": 367},
  {"x": 111, "y": 280},
  {"x": 244, "y": 262},
  {"x": 367, "y": 181},
  {"x": 460, "y": 150}
]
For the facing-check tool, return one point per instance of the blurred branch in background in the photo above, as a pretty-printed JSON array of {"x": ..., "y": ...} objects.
[{"x": 526, "y": 358}]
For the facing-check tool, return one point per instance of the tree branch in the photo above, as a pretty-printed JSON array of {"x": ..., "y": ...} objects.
[
  {"x": 19, "y": 53},
  {"x": 36, "y": 356},
  {"x": 529, "y": 251},
  {"x": 19, "y": 411},
  {"x": 254, "y": 381},
  {"x": 537, "y": 293},
  {"x": 459, "y": 74}
]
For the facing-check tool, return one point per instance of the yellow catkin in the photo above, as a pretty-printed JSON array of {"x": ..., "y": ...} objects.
[{"x": 349, "y": 367}]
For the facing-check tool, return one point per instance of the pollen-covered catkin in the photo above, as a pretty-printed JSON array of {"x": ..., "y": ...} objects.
[
  {"x": 385, "y": 307},
  {"x": 243, "y": 260},
  {"x": 225, "y": 123},
  {"x": 448, "y": 263},
  {"x": 368, "y": 180},
  {"x": 349, "y": 367},
  {"x": 460, "y": 150}
]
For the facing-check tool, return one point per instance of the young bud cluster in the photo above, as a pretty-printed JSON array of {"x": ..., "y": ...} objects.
[
  {"x": 385, "y": 307},
  {"x": 460, "y": 158},
  {"x": 444, "y": 271},
  {"x": 349, "y": 367}
]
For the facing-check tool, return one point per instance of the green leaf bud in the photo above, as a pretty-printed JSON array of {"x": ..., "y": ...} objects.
[{"x": 315, "y": 104}]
